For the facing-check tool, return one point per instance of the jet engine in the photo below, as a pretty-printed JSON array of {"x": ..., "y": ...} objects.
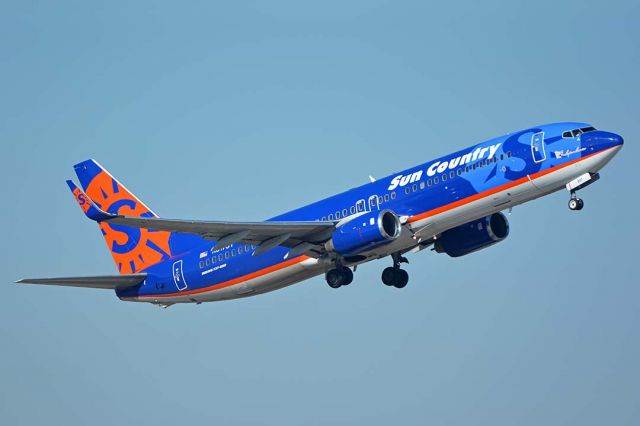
[
  {"x": 473, "y": 236},
  {"x": 365, "y": 232}
]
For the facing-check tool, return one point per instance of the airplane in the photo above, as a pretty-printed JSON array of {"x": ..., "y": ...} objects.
[{"x": 452, "y": 204}]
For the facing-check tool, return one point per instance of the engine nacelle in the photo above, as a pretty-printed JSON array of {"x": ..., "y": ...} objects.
[
  {"x": 473, "y": 236},
  {"x": 364, "y": 233}
]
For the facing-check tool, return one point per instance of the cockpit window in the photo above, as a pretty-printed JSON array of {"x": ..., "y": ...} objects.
[{"x": 577, "y": 132}]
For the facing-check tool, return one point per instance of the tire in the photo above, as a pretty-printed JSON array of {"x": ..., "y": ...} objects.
[
  {"x": 334, "y": 279},
  {"x": 389, "y": 276},
  {"x": 580, "y": 204},
  {"x": 347, "y": 276},
  {"x": 574, "y": 204},
  {"x": 403, "y": 279}
]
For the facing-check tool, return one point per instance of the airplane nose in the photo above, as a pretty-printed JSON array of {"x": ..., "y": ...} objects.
[{"x": 600, "y": 140}]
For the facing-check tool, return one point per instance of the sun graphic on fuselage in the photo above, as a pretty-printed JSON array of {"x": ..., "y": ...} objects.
[{"x": 133, "y": 249}]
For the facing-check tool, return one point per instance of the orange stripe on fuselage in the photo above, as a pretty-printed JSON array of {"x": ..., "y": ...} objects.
[{"x": 232, "y": 282}]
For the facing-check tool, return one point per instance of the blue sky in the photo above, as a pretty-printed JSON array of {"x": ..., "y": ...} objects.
[{"x": 240, "y": 111}]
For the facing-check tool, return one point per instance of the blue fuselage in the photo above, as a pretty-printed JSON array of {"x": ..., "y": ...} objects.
[{"x": 460, "y": 187}]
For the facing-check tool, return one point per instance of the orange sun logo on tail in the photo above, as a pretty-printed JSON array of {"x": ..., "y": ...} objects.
[{"x": 133, "y": 249}]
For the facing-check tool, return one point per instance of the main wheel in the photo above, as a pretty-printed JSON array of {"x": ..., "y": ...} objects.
[
  {"x": 347, "y": 275},
  {"x": 389, "y": 276},
  {"x": 402, "y": 279},
  {"x": 574, "y": 204},
  {"x": 580, "y": 204},
  {"x": 334, "y": 278}
]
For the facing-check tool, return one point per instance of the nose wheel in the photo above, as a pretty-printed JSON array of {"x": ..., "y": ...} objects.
[{"x": 575, "y": 203}]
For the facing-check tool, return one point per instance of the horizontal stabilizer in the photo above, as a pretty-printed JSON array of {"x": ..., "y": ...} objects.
[{"x": 107, "y": 282}]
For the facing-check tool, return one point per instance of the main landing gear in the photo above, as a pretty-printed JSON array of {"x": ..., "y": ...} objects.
[
  {"x": 394, "y": 276},
  {"x": 340, "y": 276}
]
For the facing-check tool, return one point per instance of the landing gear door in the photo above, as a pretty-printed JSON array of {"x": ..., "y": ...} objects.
[
  {"x": 178, "y": 276},
  {"x": 537, "y": 148}
]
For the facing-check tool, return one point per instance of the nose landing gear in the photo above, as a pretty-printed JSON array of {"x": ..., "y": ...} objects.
[
  {"x": 581, "y": 182},
  {"x": 575, "y": 203}
]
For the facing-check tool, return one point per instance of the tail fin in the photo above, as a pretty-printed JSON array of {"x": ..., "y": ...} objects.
[{"x": 133, "y": 249}]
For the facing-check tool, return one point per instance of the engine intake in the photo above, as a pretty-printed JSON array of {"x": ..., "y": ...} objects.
[
  {"x": 364, "y": 233},
  {"x": 473, "y": 236}
]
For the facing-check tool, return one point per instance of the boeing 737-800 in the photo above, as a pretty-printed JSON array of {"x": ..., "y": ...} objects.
[{"x": 452, "y": 204}]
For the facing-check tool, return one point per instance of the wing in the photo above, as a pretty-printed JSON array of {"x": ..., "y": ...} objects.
[
  {"x": 107, "y": 282},
  {"x": 301, "y": 237}
]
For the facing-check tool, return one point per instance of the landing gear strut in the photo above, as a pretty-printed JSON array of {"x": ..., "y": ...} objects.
[
  {"x": 394, "y": 276},
  {"x": 575, "y": 203},
  {"x": 577, "y": 184},
  {"x": 340, "y": 276}
]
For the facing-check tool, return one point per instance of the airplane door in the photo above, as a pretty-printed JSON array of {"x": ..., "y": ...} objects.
[
  {"x": 361, "y": 206},
  {"x": 178, "y": 276},
  {"x": 373, "y": 203},
  {"x": 537, "y": 148}
]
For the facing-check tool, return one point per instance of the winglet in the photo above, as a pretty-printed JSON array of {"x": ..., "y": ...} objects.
[{"x": 90, "y": 209}]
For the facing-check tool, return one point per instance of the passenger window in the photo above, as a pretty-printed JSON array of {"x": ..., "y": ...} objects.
[
  {"x": 344, "y": 213},
  {"x": 415, "y": 187},
  {"x": 393, "y": 195},
  {"x": 240, "y": 250},
  {"x": 208, "y": 262},
  {"x": 435, "y": 180},
  {"x": 386, "y": 198},
  {"x": 227, "y": 255},
  {"x": 380, "y": 200},
  {"x": 337, "y": 215},
  {"x": 353, "y": 210},
  {"x": 324, "y": 219},
  {"x": 444, "y": 178},
  {"x": 407, "y": 190},
  {"x": 487, "y": 162},
  {"x": 221, "y": 257},
  {"x": 213, "y": 260},
  {"x": 466, "y": 169},
  {"x": 509, "y": 154},
  {"x": 480, "y": 164},
  {"x": 330, "y": 217},
  {"x": 422, "y": 185},
  {"x": 501, "y": 157},
  {"x": 201, "y": 264},
  {"x": 429, "y": 182},
  {"x": 459, "y": 172},
  {"x": 452, "y": 175}
]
